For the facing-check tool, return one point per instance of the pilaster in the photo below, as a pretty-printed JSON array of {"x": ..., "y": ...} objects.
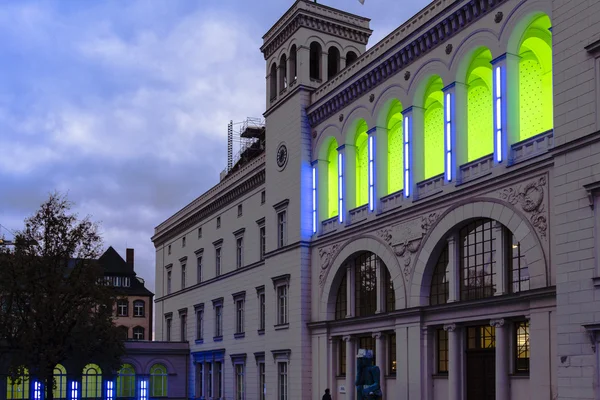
[
  {"x": 454, "y": 369},
  {"x": 502, "y": 350},
  {"x": 350, "y": 367}
]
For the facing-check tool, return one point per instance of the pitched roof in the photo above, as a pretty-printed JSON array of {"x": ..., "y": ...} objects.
[{"x": 114, "y": 264}]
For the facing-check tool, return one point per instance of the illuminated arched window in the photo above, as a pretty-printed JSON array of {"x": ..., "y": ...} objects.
[
  {"x": 341, "y": 307},
  {"x": 480, "y": 125},
  {"x": 273, "y": 82},
  {"x": 434, "y": 128},
  {"x": 477, "y": 260},
  {"x": 350, "y": 58},
  {"x": 395, "y": 148},
  {"x": 440, "y": 282},
  {"x": 126, "y": 381},
  {"x": 60, "y": 382},
  {"x": 315, "y": 54},
  {"x": 535, "y": 79},
  {"x": 362, "y": 164},
  {"x": 91, "y": 382},
  {"x": 332, "y": 180},
  {"x": 333, "y": 62},
  {"x": 283, "y": 72},
  {"x": 18, "y": 388},
  {"x": 158, "y": 381}
]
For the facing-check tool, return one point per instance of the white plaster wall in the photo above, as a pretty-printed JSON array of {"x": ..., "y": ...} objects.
[
  {"x": 520, "y": 388},
  {"x": 440, "y": 388}
]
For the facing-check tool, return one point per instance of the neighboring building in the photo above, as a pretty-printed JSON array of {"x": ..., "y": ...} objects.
[
  {"x": 134, "y": 308},
  {"x": 432, "y": 199}
]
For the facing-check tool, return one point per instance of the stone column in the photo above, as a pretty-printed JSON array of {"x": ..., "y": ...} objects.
[
  {"x": 380, "y": 354},
  {"x": 379, "y": 274},
  {"x": 332, "y": 367},
  {"x": 324, "y": 65},
  {"x": 502, "y": 352},
  {"x": 500, "y": 259},
  {"x": 507, "y": 85},
  {"x": 350, "y": 277},
  {"x": 454, "y": 361},
  {"x": 453, "y": 268},
  {"x": 350, "y": 368}
]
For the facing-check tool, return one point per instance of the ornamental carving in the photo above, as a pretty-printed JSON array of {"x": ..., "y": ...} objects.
[
  {"x": 326, "y": 254},
  {"x": 371, "y": 98},
  {"x": 498, "y": 17},
  {"x": 530, "y": 197},
  {"x": 427, "y": 222},
  {"x": 407, "y": 75},
  {"x": 405, "y": 252},
  {"x": 386, "y": 235},
  {"x": 449, "y": 48}
]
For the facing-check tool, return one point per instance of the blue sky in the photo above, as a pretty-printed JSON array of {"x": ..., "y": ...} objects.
[{"x": 124, "y": 105}]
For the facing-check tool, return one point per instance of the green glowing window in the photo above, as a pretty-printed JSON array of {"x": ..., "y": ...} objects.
[
  {"x": 60, "y": 382},
  {"x": 434, "y": 128},
  {"x": 19, "y": 387},
  {"x": 91, "y": 382},
  {"x": 395, "y": 148},
  {"x": 480, "y": 128},
  {"x": 332, "y": 180},
  {"x": 362, "y": 164},
  {"x": 126, "y": 381},
  {"x": 158, "y": 381},
  {"x": 535, "y": 79}
]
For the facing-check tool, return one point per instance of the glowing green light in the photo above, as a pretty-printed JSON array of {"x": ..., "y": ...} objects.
[
  {"x": 480, "y": 112},
  {"x": 434, "y": 128},
  {"x": 362, "y": 165},
  {"x": 395, "y": 147},
  {"x": 332, "y": 180}
]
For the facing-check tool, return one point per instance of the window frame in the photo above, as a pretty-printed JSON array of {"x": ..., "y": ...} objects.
[
  {"x": 515, "y": 342},
  {"x": 282, "y": 380},
  {"x": 143, "y": 333},
  {"x": 281, "y": 283},
  {"x": 392, "y": 367},
  {"x": 239, "y": 302},
  {"x": 238, "y": 362},
  {"x": 199, "y": 256},
  {"x": 218, "y": 257},
  {"x": 120, "y": 304},
  {"x": 199, "y": 311},
  {"x": 260, "y": 293},
  {"x": 169, "y": 269},
  {"x": 168, "y": 326},
  {"x": 239, "y": 248},
  {"x": 137, "y": 307},
  {"x": 218, "y": 313},
  {"x": 183, "y": 324}
]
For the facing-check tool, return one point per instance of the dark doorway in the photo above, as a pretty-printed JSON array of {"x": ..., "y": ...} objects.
[{"x": 481, "y": 363}]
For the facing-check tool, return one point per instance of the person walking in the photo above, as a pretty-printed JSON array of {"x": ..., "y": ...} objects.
[{"x": 326, "y": 396}]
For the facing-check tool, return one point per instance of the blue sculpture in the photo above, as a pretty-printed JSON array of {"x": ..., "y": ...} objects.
[{"x": 367, "y": 377}]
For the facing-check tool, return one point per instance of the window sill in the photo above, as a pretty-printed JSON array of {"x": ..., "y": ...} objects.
[
  {"x": 139, "y": 316},
  {"x": 239, "y": 335},
  {"x": 391, "y": 376},
  {"x": 519, "y": 376},
  {"x": 261, "y": 331},
  {"x": 217, "y": 338},
  {"x": 280, "y": 327},
  {"x": 199, "y": 341},
  {"x": 340, "y": 376},
  {"x": 440, "y": 376},
  {"x": 596, "y": 281}
]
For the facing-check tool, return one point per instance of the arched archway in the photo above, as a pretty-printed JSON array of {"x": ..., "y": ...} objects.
[
  {"x": 433, "y": 128},
  {"x": 480, "y": 126},
  {"x": 333, "y": 62},
  {"x": 315, "y": 52},
  {"x": 462, "y": 214},
  {"x": 273, "y": 82},
  {"x": 334, "y": 274}
]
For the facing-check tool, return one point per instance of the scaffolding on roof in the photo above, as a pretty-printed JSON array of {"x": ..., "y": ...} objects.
[{"x": 244, "y": 143}]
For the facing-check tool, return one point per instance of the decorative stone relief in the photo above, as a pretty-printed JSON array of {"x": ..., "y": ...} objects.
[
  {"x": 407, "y": 75},
  {"x": 326, "y": 255},
  {"x": 498, "y": 17},
  {"x": 530, "y": 197},
  {"x": 449, "y": 48},
  {"x": 371, "y": 98}
]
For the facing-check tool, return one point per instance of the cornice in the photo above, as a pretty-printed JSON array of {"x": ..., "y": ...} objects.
[
  {"x": 412, "y": 51},
  {"x": 306, "y": 19},
  {"x": 227, "y": 198}
]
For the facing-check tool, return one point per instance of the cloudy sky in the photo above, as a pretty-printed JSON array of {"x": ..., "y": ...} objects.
[{"x": 124, "y": 105}]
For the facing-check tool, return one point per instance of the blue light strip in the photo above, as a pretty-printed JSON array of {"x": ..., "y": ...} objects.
[
  {"x": 143, "y": 389},
  {"x": 498, "y": 99},
  {"x": 74, "y": 390},
  {"x": 341, "y": 187},
  {"x": 110, "y": 392},
  {"x": 448, "y": 136},
  {"x": 407, "y": 135},
  {"x": 371, "y": 173},
  {"x": 314, "y": 199},
  {"x": 37, "y": 390}
]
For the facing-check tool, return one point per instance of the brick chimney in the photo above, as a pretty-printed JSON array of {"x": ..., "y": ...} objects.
[{"x": 129, "y": 258}]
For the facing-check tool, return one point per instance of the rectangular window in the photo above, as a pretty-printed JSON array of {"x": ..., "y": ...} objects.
[
  {"x": 240, "y": 210},
  {"x": 218, "y": 321},
  {"x": 240, "y": 393},
  {"x": 218, "y": 261},
  {"x": 169, "y": 250},
  {"x": 169, "y": 282},
  {"x": 239, "y": 316},
  {"x": 282, "y": 381},
  {"x": 442, "y": 351},
  {"x": 199, "y": 232},
  {"x": 182, "y": 276},
  {"x": 392, "y": 354},
  {"x": 365, "y": 290},
  {"x": 239, "y": 252},
  {"x": 261, "y": 321},
  {"x": 126, "y": 282},
  {"x": 218, "y": 222},
  {"x": 138, "y": 308},
  {"x": 117, "y": 281},
  {"x": 478, "y": 264},
  {"x": 219, "y": 371},
  {"x": 122, "y": 308},
  {"x": 262, "y": 243},
  {"x": 199, "y": 268},
  {"x": 281, "y": 229},
  {"x": 168, "y": 321},
  {"x": 522, "y": 347},
  {"x": 199, "y": 380},
  {"x": 183, "y": 241},
  {"x": 342, "y": 358},
  {"x": 519, "y": 272},
  {"x": 341, "y": 300},
  {"x": 199, "y": 324},
  {"x": 282, "y": 305},
  {"x": 368, "y": 343},
  {"x": 262, "y": 382},
  {"x": 263, "y": 197},
  {"x": 183, "y": 321},
  {"x": 209, "y": 380}
]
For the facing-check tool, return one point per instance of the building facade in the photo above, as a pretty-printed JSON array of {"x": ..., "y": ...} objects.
[{"x": 431, "y": 199}]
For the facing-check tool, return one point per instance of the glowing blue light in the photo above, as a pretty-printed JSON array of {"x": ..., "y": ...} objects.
[
  {"x": 110, "y": 390},
  {"x": 499, "y": 99},
  {"x": 448, "y": 137},
  {"x": 341, "y": 187},
  {"x": 447, "y": 107},
  {"x": 74, "y": 390},
  {"x": 314, "y": 199},
  {"x": 143, "y": 389},
  {"x": 407, "y": 135},
  {"x": 371, "y": 175},
  {"x": 498, "y": 82},
  {"x": 499, "y": 114}
]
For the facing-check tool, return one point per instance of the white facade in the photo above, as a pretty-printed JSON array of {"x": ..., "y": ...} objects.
[{"x": 433, "y": 200}]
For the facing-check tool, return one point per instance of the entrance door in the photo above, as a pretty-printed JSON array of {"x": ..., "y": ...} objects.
[{"x": 481, "y": 363}]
